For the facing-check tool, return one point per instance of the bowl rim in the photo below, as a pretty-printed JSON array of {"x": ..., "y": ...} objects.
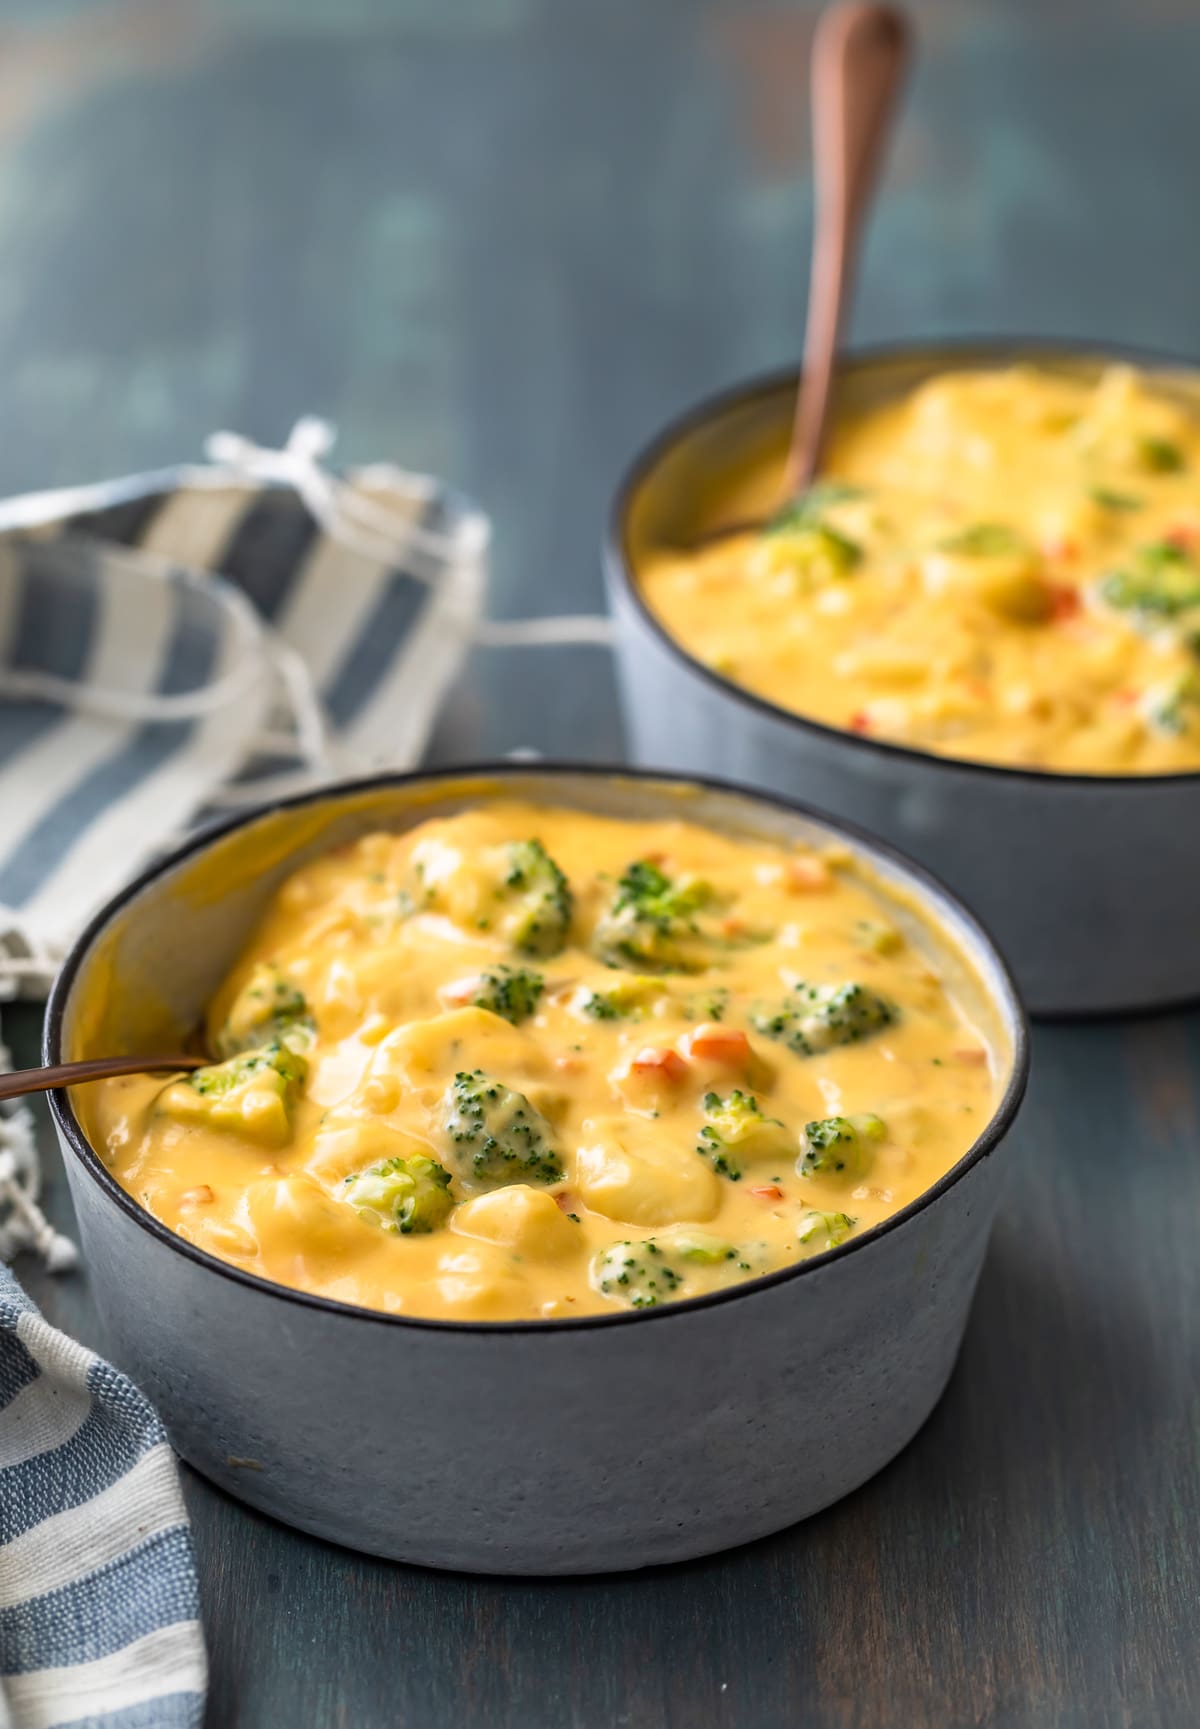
[
  {"x": 936, "y": 898},
  {"x": 960, "y": 349}
]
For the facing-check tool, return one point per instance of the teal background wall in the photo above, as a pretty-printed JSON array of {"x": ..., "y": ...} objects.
[{"x": 504, "y": 238}]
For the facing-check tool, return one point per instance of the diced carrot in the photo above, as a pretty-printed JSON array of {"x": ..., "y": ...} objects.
[
  {"x": 1063, "y": 548},
  {"x": 768, "y": 1192},
  {"x": 1127, "y": 697},
  {"x": 570, "y": 1063},
  {"x": 808, "y": 875},
  {"x": 732, "y": 927},
  {"x": 713, "y": 1043},
  {"x": 1065, "y": 600},
  {"x": 860, "y": 721},
  {"x": 973, "y": 1058},
  {"x": 1182, "y": 536},
  {"x": 661, "y": 1061},
  {"x": 566, "y": 1200}
]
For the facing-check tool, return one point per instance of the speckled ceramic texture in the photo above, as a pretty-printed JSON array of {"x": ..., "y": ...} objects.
[
  {"x": 533, "y": 1447},
  {"x": 1087, "y": 882}
]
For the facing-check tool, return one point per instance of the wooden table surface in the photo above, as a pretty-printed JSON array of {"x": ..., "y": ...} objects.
[
  {"x": 502, "y": 239},
  {"x": 1033, "y": 1558}
]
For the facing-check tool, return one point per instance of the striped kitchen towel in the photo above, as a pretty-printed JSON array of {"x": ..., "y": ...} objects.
[
  {"x": 99, "y": 1608},
  {"x": 181, "y": 642}
]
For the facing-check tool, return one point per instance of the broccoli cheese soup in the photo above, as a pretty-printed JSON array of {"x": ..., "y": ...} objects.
[
  {"x": 526, "y": 1062},
  {"x": 1002, "y": 566}
]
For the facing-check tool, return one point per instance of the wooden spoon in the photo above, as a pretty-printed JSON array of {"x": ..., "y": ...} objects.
[
  {"x": 21, "y": 1081},
  {"x": 859, "y": 56}
]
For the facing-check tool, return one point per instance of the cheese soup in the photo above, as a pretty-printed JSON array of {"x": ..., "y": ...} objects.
[
  {"x": 1003, "y": 566},
  {"x": 529, "y": 1062}
]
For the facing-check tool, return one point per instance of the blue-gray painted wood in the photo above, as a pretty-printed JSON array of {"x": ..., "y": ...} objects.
[{"x": 505, "y": 239}]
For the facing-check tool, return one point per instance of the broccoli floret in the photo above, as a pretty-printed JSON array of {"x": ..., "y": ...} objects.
[
  {"x": 820, "y": 1231},
  {"x": 815, "y": 1018},
  {"x": 516, "y": 889},
  {"x": 985, "y": 540},
  {"x": 511, "y": 992},
  {"x": 268, "y": 1007},
  {"x": 1158, "y": 455},
  {"x": 651, "y": 924},
  {"x": 253, "y": 1094},
  {"x": 800, "y": 541},
  {"x": 655, "y": 1270},
  {"x": 544, "y": 897},
  {"x": 497, "y": 1135},
  {"x": 627, "y": 999},
  {"x": 1108, "y": 498},
  {"x": 702, "y": 1250},
  {"x": 402, "y": 1195},
  {"x": 1160, "y": 582},
  {"x": 878, "y": 938},
  {"x": 840, "y": 1147},
  {"x": 814, "y": 552},
  {"x": 735, "y": 1130},
  {"x": 1172, "y": 707},
  {"x": 639, "y": 1274},
  {"x": 811, "y": 506}
]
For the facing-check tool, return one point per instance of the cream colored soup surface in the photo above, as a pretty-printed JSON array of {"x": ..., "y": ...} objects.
[
  {"x": 1002, "y": 566},
  {"x": 526, "y": 1062}
]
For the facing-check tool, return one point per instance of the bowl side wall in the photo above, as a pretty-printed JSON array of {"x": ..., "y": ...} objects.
[{"x": 578, "y": 1451}]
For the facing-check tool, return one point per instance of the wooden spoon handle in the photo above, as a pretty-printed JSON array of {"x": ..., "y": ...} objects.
[
  {"x": 21, "y": 1081},
  {"x": 858, "y": 61}
]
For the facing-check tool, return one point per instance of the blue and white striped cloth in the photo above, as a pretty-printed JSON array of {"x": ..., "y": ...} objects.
[
  {"x": 170, "y": 646},
  {"x": 200, "y": 638},
  {"x": 99, "y": 1608}
]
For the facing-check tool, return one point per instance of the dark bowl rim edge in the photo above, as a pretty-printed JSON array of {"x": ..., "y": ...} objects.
[{"x": 935, "y": 895}]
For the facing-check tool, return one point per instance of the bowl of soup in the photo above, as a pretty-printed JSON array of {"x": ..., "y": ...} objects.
[
  {"x": 976, "y": 635},
  {"x": 568, "y": 1141}
]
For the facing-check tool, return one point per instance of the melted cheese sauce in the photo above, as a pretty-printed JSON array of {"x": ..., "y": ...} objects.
[
  {"x": 1006, "y": 570},
  {"x": 620, "y": 1195}
]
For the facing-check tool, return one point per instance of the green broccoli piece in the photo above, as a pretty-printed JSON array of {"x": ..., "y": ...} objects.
[
  {"x": 512, "y": 993},
  {"x": 651, "y": 924},
  {"x": 815, "y": 1018},
  {"x": 269, "y": 1007},
  {"x": 253, "y": 1094},
  {"x": 406, "y": 1196},
  {"x": 1108, "y": 498},
  {"x": 1160, "y": 582},
  {"x": 628, "y": 999},
  {"x": 985, "y": 540},
  {"x": 497, "y": 1135},
  {"x": 840, "y": 1147},
  {"x": 1172, "y": 707},
  {"x": 638, "y": 1274},
  {"x": 736, "y": 1130},
  {"x": 816, "y": 552},
  {"x": 820, "y": 1231},
  {"x": 1158, "y": 455},
  {"x": 543, "y": 897},
  {"x": 810, "y": 506},
  {"x": 702, "y": 1250}
]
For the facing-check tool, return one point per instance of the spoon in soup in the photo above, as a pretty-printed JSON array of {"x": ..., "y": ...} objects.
[
  {"x": 859, "y": 56},
  {"x": 44, "y": 1080}
]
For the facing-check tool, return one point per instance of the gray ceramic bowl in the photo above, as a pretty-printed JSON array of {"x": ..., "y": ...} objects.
[
  {"x": 1088, "y": 881},
  {"x": 541, "y": 1446}
]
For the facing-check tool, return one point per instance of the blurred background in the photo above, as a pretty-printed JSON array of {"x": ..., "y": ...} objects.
[{"x": 503, "y": 239}]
